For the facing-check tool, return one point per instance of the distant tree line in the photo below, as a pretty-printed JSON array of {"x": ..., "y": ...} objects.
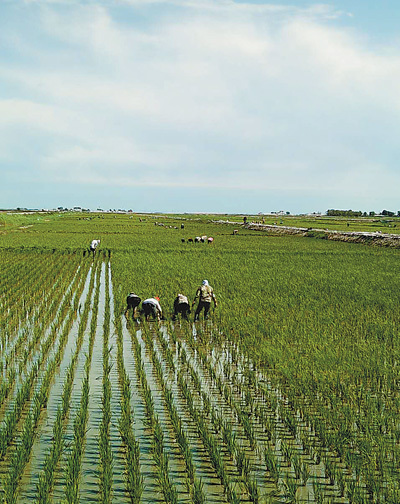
[
  {"x": 359, "y": 213},
  {"x": 344, "y": 213}
]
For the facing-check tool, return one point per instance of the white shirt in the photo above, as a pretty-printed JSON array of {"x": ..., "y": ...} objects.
[
  {"x": 154, "y": 302},
  {"x": 94, "y": 243},
  {"x": 182, "y": 299}
]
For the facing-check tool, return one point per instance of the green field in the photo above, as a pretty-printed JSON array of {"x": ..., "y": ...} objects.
[{"x": 288, "y": 393}]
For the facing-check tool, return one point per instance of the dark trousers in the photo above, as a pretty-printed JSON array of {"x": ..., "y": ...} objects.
[
  {"x": 182, "y": 308},
  {"x": 202, "y": 304}
]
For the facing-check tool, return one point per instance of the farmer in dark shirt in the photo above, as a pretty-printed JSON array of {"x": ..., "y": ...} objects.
[{"x": 132, "y": 302}]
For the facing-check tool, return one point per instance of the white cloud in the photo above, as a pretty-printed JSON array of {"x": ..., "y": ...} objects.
[{"x": 251, "y": 96}]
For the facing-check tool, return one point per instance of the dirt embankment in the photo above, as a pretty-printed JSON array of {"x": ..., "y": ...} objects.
[{"x": 370, "y": 238}]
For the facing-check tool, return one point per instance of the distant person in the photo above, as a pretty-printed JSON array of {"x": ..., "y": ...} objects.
[
  {"x": 181, "y": 306},
  {"x": 151, "y": 308},
  {"x": 132, "y": 303},
  {"x": 205, "y": 294},
  {"x": 94, "y": 245}
]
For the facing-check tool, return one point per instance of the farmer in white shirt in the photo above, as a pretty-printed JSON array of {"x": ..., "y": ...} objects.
[
  {"x": 94, "y": 245},
  {"x": 181, "y": 305},
  {"x": 151, "y": 307}
]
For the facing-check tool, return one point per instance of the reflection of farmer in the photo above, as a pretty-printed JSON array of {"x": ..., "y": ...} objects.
[
  {"x": 151, "y": 308},
  {"x": 94, "y": 245},
  {"x": 181, "y": 305},
  {"x": 132, "y": 302},
  {"x": 205, "y": 293}
]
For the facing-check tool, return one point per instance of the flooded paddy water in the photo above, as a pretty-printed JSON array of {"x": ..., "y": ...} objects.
[{"x": 222, "y": 416}]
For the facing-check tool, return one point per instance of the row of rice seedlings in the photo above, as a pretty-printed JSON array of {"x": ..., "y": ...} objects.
[
  {"x": 23, "y": 284},
  {"x": 356, "y": 454},
  {"x": 225, "y": 391},
  {"x": 167, "y": 353},
  {"x": 133, "y": 476},
  {"x": 105, "y": 465},
  {"x": 344, "y": 422},
  {"x": 74, "y": 457},
  {"x": 300, "y": 467},
  {"x": 33, "y": 294},
  {"x": 12, "y": 417},
  {"x": 38, "y": 331},
  {"x": 358, "y": 448},
  {"x": 195, "y": 484},
  {"x": 368, "y": 483},
  {"x": 23, "y": 449},
  {"x": 224, "y": 426},
  {"x": 210, "y": 443},
  {"x": 46, "y": 477},
  {"x": 160, "y": 457}
]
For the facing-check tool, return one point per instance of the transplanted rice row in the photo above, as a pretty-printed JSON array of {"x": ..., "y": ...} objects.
[
  {"x": 74, "y": 457},
  {"x": 194, "y": 484},
  {"x": 22, "y": 451},
  {"x": 133, "y": 476},
  {"x": 52, "y": 458},
  {"x": 105, "y": 453},
  {"x": 31, "y": 295},
  {"x": 39, "y": 315},
  {"x": 12, "y": 417},
  {"x": 244, "y": 408},
  {"x": 160, "y": 455}
]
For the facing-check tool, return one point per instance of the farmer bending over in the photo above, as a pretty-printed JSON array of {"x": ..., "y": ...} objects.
[
  {"x": 151, "y": 307},
  {"x": 181, "y": 305},
  {"x": 205, "y": 293},
  {"x": 94, "y": 245},
  {"x": 132, "y": 302}
]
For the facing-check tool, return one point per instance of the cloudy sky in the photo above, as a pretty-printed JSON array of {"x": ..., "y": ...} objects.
[{"x": 200, "y": 105}]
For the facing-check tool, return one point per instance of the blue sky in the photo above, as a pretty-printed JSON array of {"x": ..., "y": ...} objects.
[{"x": 200, "y": 105}]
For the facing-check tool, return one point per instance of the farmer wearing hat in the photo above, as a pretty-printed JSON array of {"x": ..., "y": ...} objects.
[
  {"x": 151, "y": 308},
  {"x": 132, "y": 302},
  {"x": 205, "y": 293}
]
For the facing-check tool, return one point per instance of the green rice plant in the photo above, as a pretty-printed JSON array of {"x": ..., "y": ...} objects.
[
  {"x": 290, "y": 488},
  {"x": 269, "y": 428},
  {"x": 296, "y": 463},
  {"x": 341, "y": 481},
  {"x": 272, "y": 465},
  {"x": 330, "y": 470},
  {"x": 249, "y": 430},
  {"x": 304, "y": 473},
  {"x": 239, "y": 459},
  {"x": 319, "y": 494},
  {"x": 287, "y": 452},
  {"x": 198, "y": 496},
  {"x": 354, "y": 492},
  {"x": 232, "y": 497},
  {"x": 229, "y": 437},
  {"x": 252, "y": 488}
]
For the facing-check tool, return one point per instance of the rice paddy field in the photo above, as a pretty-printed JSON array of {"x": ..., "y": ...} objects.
[{"x": 288, "y": 393}]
